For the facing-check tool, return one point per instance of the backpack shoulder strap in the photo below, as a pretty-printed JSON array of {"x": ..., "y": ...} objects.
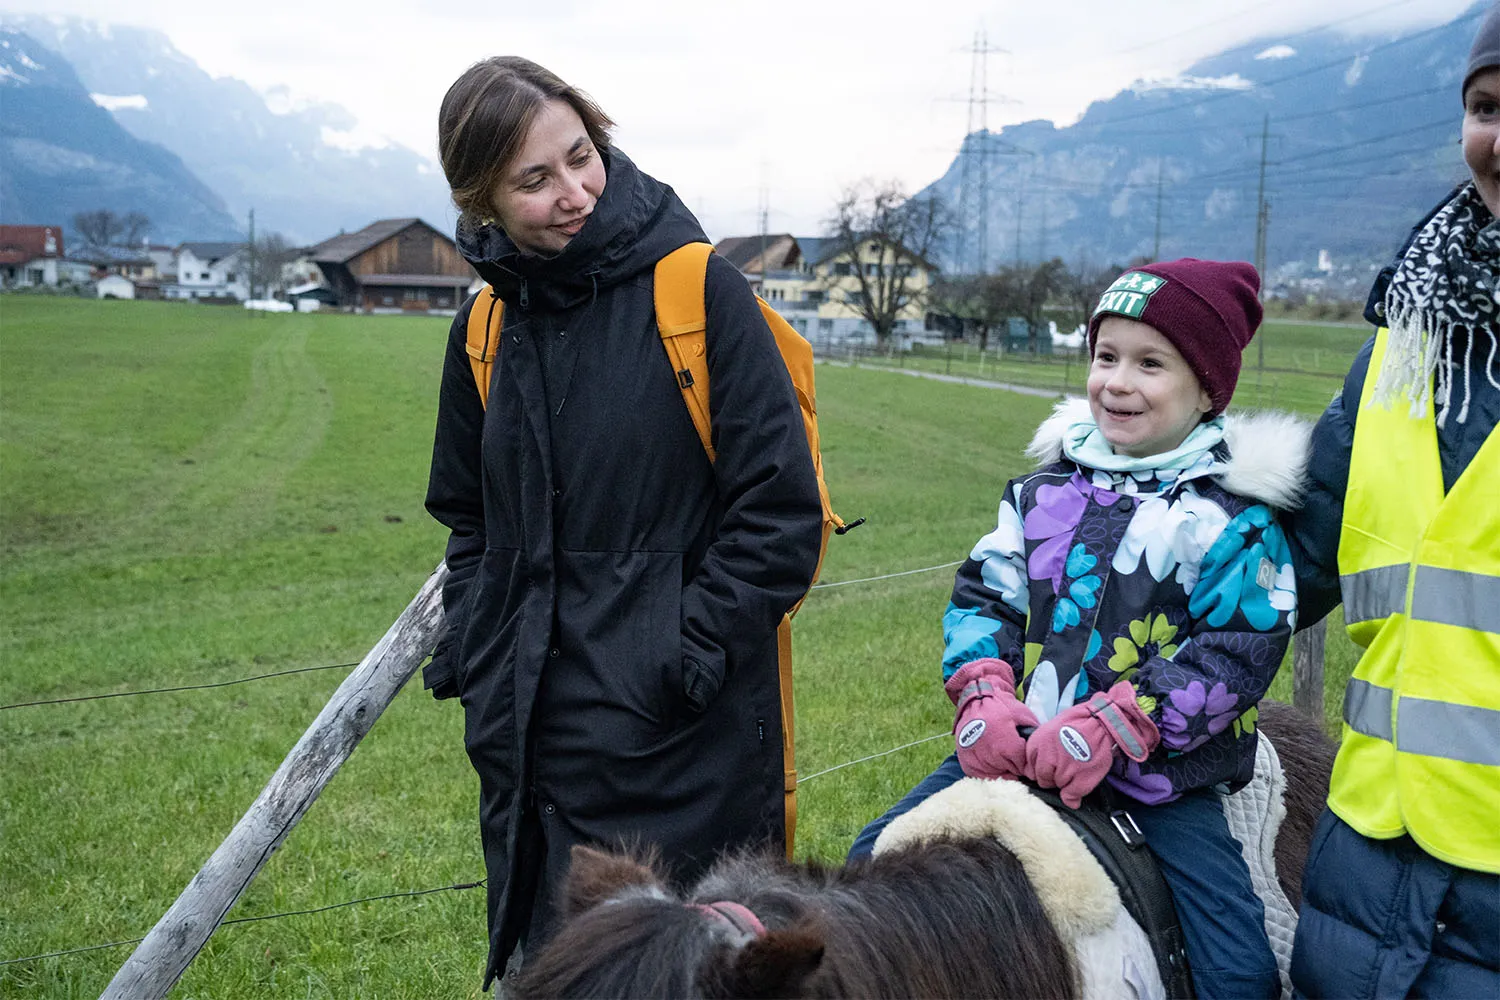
[
  {"x": 682, "y": 318},
  {"x": 486, "y": 317}
]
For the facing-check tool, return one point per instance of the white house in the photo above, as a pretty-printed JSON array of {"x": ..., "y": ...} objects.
[
  {"x": 29, "y": 255},
  {"x": 114, "y": 286},
  {"x": 211, "y": 270}
]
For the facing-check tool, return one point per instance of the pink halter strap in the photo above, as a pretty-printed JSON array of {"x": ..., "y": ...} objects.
[{"x": 736, "y": 915}]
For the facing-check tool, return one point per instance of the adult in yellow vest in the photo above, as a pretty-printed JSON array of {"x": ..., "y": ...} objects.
[
  {"x": 1401, "y": 894},
  {"x": 614, "y": 596}
]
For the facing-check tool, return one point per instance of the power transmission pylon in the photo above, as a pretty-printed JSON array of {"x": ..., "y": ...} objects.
[{"x": 974, "y": 165}]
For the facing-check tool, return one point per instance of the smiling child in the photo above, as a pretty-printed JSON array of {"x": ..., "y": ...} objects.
[{"x": 1124, "y": 618}]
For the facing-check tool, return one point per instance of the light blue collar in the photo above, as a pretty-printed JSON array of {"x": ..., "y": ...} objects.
[{"x": 1084, "y": 443}]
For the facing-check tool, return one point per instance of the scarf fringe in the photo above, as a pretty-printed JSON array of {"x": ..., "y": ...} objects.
[{"x": 1419, "y": 360}]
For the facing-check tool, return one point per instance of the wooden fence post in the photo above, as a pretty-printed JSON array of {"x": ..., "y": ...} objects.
[
  {"x": 1307, "y": 669},
  {"x": 160, "y": 959}
]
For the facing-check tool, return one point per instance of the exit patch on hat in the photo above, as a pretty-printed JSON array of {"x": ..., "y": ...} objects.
[{"x": 1129, "y": 294}]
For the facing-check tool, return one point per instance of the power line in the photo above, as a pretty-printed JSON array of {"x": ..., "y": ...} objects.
[
  {"x": 1154, "y": 112},
  {"x": 1254, "y": 7},
  {"x": 1220, "y": 127}
]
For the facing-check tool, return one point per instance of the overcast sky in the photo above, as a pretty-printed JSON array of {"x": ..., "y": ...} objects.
[{"x": 725, "y": 100}]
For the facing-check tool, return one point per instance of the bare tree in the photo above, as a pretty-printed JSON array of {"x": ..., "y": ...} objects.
[
  {"x": 102, "y": 228},
  {"x": 135, "y": 225},
  {"x": 983, "y": 301},
  {"x": 1039, "y": 286},
  {"x": 99, "y": 228},
  {"x": 272, "y": 253},
  {"x": 1081, "y": 289},
  {"x": 885, "y": 238}
]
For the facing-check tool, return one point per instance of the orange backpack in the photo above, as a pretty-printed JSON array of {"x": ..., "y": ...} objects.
[{"x": 681, "y": 318}]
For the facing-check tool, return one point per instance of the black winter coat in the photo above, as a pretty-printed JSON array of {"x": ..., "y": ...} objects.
[{"x": 613, "y": 597}]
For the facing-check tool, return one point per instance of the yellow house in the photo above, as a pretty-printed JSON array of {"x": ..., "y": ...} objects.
[{"x": 816, "y": 284}]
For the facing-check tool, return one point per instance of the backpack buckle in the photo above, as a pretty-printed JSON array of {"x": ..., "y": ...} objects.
[{"x": 1126, "y": 827}]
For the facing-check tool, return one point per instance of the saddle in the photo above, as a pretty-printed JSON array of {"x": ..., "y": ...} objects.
[
  {"x": 1107, "y": 829},
  {"x": 1102, "y": 888}
]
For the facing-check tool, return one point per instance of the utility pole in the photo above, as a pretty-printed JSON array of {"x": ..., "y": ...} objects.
[
  {"x": 1041, "y": 243},
  {"x": 1156, "y": 243},
  {"x": 765, "y": 223},
  {"x": 1262, "y": 219},
  {"x": 250, "y": 275},
  {"x": 1020, "y": 207}
]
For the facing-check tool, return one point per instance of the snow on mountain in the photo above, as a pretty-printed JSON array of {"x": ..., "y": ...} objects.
[
  {"x": 1359, "y": 143},
  {"x": 62, "y": 153},
  {"x": 308, "y": 168}
]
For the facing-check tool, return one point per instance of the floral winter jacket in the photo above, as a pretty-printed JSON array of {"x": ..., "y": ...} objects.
[{"x": 1169, "y": 572}]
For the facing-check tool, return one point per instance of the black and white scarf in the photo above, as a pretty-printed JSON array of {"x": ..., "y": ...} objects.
[{"x": 1449, "y": 280}]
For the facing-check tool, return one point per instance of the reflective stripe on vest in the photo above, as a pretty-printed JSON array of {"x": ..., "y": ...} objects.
[
  {"x": 1432, "y": 728},
  {"x": 1450, "y": 596},
  {"x": 1421, "y": 586}
]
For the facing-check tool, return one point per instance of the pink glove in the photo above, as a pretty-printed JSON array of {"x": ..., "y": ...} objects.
[
  {"x": 989, "y": 717},
  {"x": 1073, "y": 751}
]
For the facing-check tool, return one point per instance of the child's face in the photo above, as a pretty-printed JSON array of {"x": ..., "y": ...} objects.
[{"x": 1142, "y": 393}]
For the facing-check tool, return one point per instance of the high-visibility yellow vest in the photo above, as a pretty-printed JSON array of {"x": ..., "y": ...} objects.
[{"x": 1420, "y": 575}]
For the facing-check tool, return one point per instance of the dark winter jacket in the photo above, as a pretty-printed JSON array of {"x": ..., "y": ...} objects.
[
  {"x": 613, "y": 596},
  {"x": 1382, "y": 918},
  {"x": 1171, "y": 574}
]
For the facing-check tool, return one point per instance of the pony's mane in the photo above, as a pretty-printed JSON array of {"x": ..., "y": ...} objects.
[{"x": 947, "y": 918}]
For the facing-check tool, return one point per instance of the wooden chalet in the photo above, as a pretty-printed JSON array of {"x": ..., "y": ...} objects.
[{"x": 394, "y": 265}]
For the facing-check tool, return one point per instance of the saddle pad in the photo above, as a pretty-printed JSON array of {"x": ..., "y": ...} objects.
[{"x": 1255, "y": 813}]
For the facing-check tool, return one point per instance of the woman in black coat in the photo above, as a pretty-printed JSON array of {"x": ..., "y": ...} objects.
[{"x": 613, "y": 596}]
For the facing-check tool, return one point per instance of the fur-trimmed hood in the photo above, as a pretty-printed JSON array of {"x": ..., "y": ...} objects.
[{"x": 1263, "y": 455}]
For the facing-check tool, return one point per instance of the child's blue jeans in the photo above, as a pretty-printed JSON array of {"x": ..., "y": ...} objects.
[{"x": 1223, "y": 922}]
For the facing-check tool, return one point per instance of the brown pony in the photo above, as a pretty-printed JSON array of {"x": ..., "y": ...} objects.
[{"x": 946, "y": 918}]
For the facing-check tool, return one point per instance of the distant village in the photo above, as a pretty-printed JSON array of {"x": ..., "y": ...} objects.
[
  {"x": 824, "y": 286},
  {"x": 406, "y": 266}
]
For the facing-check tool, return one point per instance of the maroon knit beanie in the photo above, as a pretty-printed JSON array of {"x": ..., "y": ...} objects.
[{"x": 1208, "y": 309}]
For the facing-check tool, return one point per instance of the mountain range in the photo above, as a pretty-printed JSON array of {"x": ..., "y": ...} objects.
[
  {"x": 1357, "y": 135},
  {"x": 61, "y": 153},
  {"x": 1359, "y": 138},
  {"x": 290, "y": 164}
]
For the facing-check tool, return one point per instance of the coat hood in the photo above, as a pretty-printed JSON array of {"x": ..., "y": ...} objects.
[
  {"x": 1263, "y": 455},
  {"x": 637, "y": 221}
]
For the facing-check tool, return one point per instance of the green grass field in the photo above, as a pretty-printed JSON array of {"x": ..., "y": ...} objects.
[{"x": 192, "y": 494}]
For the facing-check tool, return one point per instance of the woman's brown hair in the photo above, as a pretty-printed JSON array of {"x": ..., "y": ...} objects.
[{"x": 484, "y": 119}]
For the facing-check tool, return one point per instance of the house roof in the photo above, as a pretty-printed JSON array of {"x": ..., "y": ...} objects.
[
  {"x": 113, "y": 255},
  {"x": 30, "y": 241},
  {"x": 814, "y": 248},
  {"x": 347, "y": 246},
  {"x": 826, "y": 248},
  {"x": 741, "y": 251},
  {"x": 212, "y": 251}
]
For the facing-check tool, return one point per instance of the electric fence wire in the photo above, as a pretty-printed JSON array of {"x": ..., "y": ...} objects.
[
  {"x": 339, "y": 666},
  {"x": 873, "y": 756},
  {"x": 180, "y": 687},
  {"x": 446, "y": 888},
  {"x": 251, "y": 920}
]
